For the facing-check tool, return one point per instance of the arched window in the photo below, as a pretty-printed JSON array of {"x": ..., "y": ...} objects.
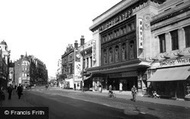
[
  {"x": 123, "y": 52},
  {"x": 110, "y": 55},
  {"x": 131, "y": 50},
  {"x": 105, "y": 56},
  {"x": 116, "y": 53}
]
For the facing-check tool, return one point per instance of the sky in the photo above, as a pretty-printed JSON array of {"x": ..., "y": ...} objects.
[{"x": 44, "y": 28}]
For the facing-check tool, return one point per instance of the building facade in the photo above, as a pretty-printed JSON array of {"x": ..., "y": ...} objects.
[
  {"x": 87, "y": 60},
  {"x": 123, "y": 44},
  {"x": 4, "y": 64},
  {"x": 169, "y": 73},
  {"x": 68, "y": 66},
  {"x": 22, "y": 71},
  {"x": 29, "y": 71}
]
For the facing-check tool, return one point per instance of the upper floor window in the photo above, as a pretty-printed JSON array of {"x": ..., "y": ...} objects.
[
  {"x": 123, "y": 51},
  {"x": 187, "y": 36},
  {"x": 131, "y": 50},
  {"x": 105, "y": 56},
  {"x": 117, "y": 54},
  {"x": 110, "y": 55},
  {"x": 162, "y": 43},
  {"x": 175, "y": 41}
]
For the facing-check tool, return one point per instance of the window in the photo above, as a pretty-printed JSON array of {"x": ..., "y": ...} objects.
[
  {"x": 187, "y": 36},
  {"x": 131, "y": 50},
  {"x": 162, "y": 43},
  {"x": 87, "y": 66},
  {"x": 110, "y": 55},
  {"x": 174, "y": 38},
  {"x": 123, "y": 51},
  {"x": 105, "y": 56},
  {"x": 117, "y": 54}
]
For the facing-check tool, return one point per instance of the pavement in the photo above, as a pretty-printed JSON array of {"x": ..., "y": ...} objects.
[{"x": 15, "y": 102}]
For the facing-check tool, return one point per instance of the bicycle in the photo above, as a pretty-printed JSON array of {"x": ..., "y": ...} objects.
[{"x": 111, "y": 94}]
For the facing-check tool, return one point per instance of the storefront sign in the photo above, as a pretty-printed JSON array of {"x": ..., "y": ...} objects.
[
  {"x": 140, "y": 34},
  {"x": 94, "y": 50},
  {"x": 124, "y": 74},
  {"x": 175, "y": 62}
]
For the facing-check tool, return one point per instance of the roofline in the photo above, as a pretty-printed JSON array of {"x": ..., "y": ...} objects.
[{"x": 114, "y": 13}]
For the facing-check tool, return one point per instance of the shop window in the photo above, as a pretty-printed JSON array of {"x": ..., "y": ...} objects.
[
  {"x": 187, "y": 36},
  {"x": 174, "y": 38},
  {"x": 162, "y": 43}
]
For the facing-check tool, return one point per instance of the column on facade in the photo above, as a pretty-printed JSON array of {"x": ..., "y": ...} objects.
[
  {"x": 155, "y": 46},
  {"x": 168, "y": 42},
  {"x": 89, "y": 62},
  {"x": 85, "y": 62},
  {"x": 181, "y": 36}
]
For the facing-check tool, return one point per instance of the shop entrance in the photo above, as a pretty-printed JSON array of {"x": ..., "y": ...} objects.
[{"x": 127, "y": 83}]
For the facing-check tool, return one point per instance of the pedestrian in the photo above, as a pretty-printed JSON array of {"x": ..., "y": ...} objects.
[
  {"x": 9, "y": 90},
  {"x": 47, "y": 86},
  {"x": 134, "y": 92},
  {"x": 19, "y": 91},
  {"x": 2, "y": 96}
]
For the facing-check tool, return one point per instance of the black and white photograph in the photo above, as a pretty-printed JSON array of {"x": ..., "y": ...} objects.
[{"x": 94, "y": 59}]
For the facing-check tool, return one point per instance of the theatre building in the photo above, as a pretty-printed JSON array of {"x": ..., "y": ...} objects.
[
  {"x": 169, "y": 73},
  {"x": 123, "y": 47}
]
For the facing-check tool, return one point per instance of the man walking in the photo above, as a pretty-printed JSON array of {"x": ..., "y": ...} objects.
[
  {"x": 2, "y": 96},
  {"x": 134, "y": 91},
  {"x": 19, "y": 91},
  {"x": 9, "y": 90}
]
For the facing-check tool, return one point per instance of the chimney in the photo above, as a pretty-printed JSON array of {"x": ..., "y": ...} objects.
[
  {"x": 21, "y": 56},
  {"x": 76, "y": 45},
  {"x": 82, "y": 40}
]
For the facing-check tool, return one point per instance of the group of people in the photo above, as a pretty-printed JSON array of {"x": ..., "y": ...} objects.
[{"x": 10, "y": 89}]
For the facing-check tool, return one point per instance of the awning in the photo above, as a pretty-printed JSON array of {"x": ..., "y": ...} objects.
[
  {"x": 171, "y": 74},
  {"x": 94, "y": 75}
]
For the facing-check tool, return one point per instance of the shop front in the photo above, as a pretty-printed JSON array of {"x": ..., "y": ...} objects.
[
  {"x": 172, "y": 78},
  {"x": 121, "y": 78}
]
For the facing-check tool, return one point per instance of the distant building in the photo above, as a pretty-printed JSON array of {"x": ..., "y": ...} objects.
[
  {"x": 22, "y": 71},
  {"x": 30, "y": 70},
  {"x": 68, "y": 66},
  {"x": 11, "y": 79},
  {"x": 87, "y": 60}
]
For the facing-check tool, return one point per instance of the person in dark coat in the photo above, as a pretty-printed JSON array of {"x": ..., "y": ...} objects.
[
  {"x": 2, "y": 96},
  {"x": 9, "y": 90},
  {"x": 134, "y": 92},
  {"x": 19, "y": 91}
]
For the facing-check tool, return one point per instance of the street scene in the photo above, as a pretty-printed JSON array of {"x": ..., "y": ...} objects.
[
  {"x": 71, "y": 104},
  {"x": 103, "y": 59}
]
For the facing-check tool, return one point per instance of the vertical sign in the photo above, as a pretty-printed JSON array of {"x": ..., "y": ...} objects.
[
  {"x": 94, "y": 50},
  {"x": 140, "y": 34},
  {"x": 78, "y": 68}
]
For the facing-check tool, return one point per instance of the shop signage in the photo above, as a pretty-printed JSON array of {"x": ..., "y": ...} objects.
[
  {"x": 175, "y": 62},
  {"x": 140, "y": 34},
  {"x": 94, "y": 50},
  {"x": 124, "y": 74}
]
